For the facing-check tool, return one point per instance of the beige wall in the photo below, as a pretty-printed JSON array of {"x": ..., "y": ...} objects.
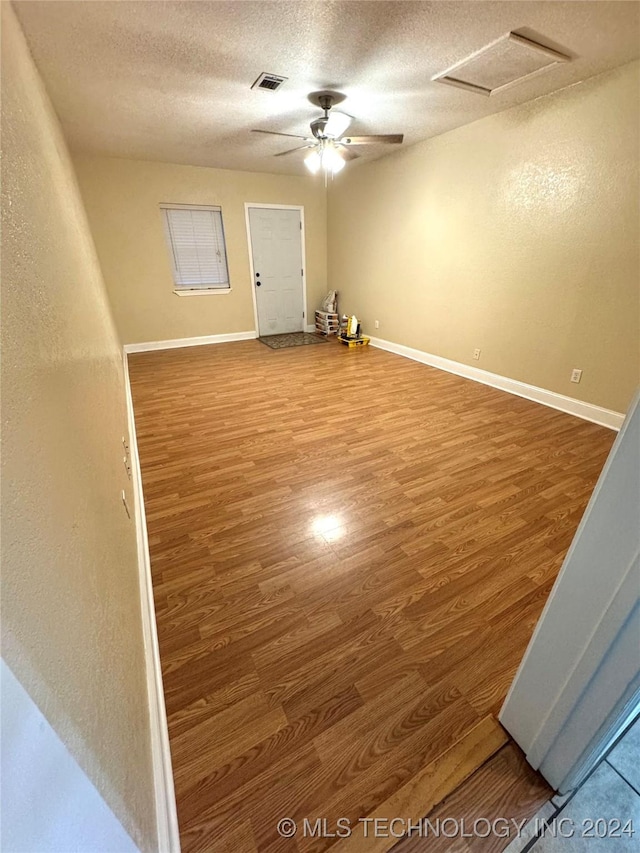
[
  {"x": 517, "y": 234},
  {"x": 122, "y": 198},
  {"x": 71, "y": 623}
]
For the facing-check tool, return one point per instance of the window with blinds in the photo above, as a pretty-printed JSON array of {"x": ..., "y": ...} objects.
[{"x": 195, "y": 236}]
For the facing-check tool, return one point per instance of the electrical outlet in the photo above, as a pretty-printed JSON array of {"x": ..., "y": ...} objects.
[
  {"x": 376, "y": 323},
  {"x": 476, "y": 354},
  {"x": 576, "y": 375}
]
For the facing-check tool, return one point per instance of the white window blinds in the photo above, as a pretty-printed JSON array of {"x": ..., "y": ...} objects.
[{"x": 196, "y": 243}]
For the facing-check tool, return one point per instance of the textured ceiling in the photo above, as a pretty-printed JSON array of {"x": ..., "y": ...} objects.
[{"x": 171, "y": 81}]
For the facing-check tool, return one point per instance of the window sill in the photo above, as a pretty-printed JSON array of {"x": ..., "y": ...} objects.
[{"x": 213, "y": 292}]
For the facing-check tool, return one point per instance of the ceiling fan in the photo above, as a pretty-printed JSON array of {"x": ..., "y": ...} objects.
[{"x": 329, "y": 147}]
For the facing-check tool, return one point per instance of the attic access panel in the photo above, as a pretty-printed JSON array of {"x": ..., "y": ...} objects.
[{"x": 501, "y": 64}]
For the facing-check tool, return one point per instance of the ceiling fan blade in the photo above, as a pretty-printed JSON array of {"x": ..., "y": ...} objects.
[
  {"x": 346, "y": 154},
  {"x": 337, "y": 124},
  {"x": 275, "y": 133},
  {"x": 291, "y": 150},
  {"x": 384, "y": 138}
]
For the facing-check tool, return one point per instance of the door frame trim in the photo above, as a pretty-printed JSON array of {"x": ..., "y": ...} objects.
[
  {"x": 247, "y": 206},
  {"x": 566, "y": 704}
]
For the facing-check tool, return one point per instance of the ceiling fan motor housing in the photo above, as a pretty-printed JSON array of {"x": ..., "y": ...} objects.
[{"x": 318, "y": 126}]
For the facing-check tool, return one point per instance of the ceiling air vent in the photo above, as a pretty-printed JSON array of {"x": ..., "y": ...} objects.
[{"x": 269, "y": 82}]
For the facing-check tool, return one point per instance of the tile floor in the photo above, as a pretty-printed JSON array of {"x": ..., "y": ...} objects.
[{"x": 609, "y": 801}]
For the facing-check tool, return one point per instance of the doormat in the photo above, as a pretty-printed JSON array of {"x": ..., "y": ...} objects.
[{"x": 292, "y": 339}]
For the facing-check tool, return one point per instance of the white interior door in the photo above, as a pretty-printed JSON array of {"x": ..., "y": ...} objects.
[
  {"x": 276, "y": 248},
  {"x": 580, "y": 677}
]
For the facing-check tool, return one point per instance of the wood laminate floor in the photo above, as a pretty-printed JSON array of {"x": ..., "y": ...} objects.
[
  {"x": 505, "y": 791},
  {"x": 349, "y": 552}
]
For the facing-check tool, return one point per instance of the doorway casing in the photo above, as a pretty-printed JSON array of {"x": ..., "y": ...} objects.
[{"x": 578, "y": 685}]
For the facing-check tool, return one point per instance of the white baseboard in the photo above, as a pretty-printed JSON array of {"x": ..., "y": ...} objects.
[
  {"x": 176, "y": 343},
  {"x": 586, "y": 411},
  {"x": 310, "y": 328},
  {"x": 164, "y": 793}
]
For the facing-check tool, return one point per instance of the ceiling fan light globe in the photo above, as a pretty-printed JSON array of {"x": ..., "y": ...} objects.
[
  {"x": 313, "y": 162},
  {"x": 332, "y": 160},
  {"x": 338, "y": 164}
]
